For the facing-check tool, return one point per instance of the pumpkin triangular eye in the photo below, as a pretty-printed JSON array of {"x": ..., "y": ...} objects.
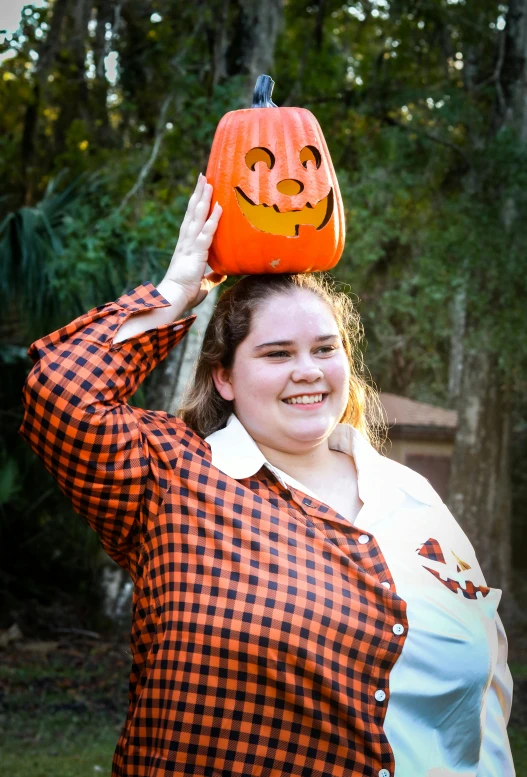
[
  {"x": 310, "y": 154},
  {"x": 259, "y": 154},
  {"x": 431, "y": 549}
]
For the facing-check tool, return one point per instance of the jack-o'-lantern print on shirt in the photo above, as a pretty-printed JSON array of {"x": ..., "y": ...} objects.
[
  {"x": 273, "y": 176},
  {"x": 454, "y": 579}
]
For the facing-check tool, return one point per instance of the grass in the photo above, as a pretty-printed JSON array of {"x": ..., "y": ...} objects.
[
  {"x": 60, "y": 745},
  {"x": 61, "y": 712},
  {"x": 518, "y": 671},
  {"x": 518, "y": 740}
]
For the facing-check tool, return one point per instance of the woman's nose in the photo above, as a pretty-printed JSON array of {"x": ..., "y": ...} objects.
[
  {"x": 307, "y": 371},
  {"x": 290, "y": 186}
]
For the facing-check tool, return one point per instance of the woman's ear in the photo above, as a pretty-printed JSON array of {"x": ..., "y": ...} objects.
[{"x": 222, "y": 380}]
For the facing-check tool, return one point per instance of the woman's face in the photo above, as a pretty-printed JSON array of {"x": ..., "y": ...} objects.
[{"x": 292, "y": 351}]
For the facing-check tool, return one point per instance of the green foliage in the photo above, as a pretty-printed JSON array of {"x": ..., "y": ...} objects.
[
  {"x": 44, "y": 546},
  {"x": 406, "y": 95},
  {"x": 67, "y": 244},
  {"x": 9, "y": 479},
  {"x": 31, "y": 246}
]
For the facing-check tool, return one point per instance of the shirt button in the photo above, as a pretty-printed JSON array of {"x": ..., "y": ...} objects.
[
  {"x": 380, "y": 695},
  {"x": 384, "y": 773},
  {"x": 386, "y": 584},
  {"x": 363, "y": 539},
  {"x": 398, "y": 628}
]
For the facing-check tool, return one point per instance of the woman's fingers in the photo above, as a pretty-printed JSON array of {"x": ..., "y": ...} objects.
[
  {"x": 211, "y": 280},
  {"x": 193, "y": 202},
  {"x": 204, "y": 239},
  {"x": 196, "y": 195},
  {"x": 211, "y": 225},
  {"x": 200, "y": 215}
]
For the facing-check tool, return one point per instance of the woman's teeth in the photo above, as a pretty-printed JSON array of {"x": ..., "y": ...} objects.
[{"x": 304, "y": 400}]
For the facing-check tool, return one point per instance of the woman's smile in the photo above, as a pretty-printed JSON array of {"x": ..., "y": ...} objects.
[{"x": 306, "y": 401}]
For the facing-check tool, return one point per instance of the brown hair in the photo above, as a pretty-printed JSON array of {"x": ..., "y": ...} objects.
[{"x": 205, "y": 411}]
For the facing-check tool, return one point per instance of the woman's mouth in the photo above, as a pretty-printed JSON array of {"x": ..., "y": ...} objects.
[{"x": 306, "y": 401}]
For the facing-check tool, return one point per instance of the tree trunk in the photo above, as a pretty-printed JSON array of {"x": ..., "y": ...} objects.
[
  {"x": 72, "y": 64},
  {"x": 220, "y": 44},
  {"x": 47, "y": 52},
  {"x": 192, "y": 343},
  {"x": 107, "y": 13},
  {"x": 458, "y": 320},
  {"x": 260, "y": 24},
  {"x": 480, "y": 485},
  {"x": 480, "y": 478},
  {"x": 254, "y": 35}
]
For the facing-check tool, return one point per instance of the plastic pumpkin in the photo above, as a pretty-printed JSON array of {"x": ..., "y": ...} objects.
[{"x": 273, "y": 176}]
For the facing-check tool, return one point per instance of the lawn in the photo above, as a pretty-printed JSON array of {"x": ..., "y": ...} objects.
[{"x": 62, "y": 705}]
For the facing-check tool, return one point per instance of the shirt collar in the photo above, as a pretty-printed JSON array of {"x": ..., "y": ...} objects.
[{"x": 234, "y": 452}]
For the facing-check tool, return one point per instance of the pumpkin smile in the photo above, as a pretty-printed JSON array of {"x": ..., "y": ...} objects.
[{"x": 270, "y": 219}]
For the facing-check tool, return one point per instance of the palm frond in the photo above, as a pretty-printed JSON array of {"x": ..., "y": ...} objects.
[{"x": 31, "y": 241}]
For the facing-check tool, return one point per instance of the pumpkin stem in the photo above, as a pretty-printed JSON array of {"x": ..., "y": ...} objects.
[{"x": 262, "y": 93}]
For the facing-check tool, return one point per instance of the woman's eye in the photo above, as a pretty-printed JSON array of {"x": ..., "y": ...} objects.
[{"x": 323, "y": 348}]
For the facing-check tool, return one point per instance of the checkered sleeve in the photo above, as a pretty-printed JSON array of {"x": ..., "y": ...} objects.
[
  {"x": 103, "y": 453},
  {"x": 495, "y": 756}
]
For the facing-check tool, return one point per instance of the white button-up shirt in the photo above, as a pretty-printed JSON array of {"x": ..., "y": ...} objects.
[{"x": 451, "y": 689}]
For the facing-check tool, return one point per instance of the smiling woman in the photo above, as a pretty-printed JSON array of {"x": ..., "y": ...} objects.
[
  {"x": 302, "y": 605},
  {"x": 324, "y": 339}
]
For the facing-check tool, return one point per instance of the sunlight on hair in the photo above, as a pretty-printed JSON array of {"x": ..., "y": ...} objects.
[{"x": 205, "y": 411}]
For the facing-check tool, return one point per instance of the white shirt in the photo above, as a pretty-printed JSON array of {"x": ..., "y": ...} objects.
[{"x": 451, "y": 688}]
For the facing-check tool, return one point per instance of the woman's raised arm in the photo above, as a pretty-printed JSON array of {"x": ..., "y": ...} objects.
[{"x": 113, "y": 461}]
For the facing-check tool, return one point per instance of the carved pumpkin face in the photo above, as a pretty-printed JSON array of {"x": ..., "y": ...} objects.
[
  {"x": 273, "y": 176},
  {"x": 456, "y": 581}
]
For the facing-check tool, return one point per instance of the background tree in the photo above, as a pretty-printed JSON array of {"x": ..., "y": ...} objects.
[{"x": 108, "y": 113}]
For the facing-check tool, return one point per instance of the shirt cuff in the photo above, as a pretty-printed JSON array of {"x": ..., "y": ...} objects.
[
  {"x": 164, "y": 336},
  {"x": 142, "y": 297}
]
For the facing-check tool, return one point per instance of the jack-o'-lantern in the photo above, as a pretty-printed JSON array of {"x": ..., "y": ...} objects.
[{"x": 272, "y": 174}]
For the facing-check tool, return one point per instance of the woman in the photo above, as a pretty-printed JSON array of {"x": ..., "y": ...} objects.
[{"x": 302, "y": 605}]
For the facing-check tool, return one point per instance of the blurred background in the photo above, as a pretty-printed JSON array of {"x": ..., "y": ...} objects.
[{"x": 107, "y": 114}]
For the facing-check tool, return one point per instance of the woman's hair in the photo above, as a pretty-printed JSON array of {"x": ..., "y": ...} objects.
[{"x": 205, "y": 410}]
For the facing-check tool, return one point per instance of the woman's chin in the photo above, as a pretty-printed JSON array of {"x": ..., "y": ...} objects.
[{"x": 309, "y": 427}]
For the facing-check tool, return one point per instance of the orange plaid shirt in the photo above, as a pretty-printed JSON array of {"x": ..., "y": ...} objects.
[{"x": 260, "y": 621}]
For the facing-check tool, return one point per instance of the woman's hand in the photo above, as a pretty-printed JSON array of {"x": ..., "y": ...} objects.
[{"x": 189, "y": 261}]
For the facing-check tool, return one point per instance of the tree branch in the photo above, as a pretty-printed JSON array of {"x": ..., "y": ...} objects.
[
  {"x": 495, "y": 78},
  {"x": 428, "y": 135},
  {"x": 145, "y": 170},
  {"x": 161, "y": 126}
]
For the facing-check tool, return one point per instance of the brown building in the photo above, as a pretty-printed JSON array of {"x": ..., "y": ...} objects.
[{"x": 422, "y": 437}]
